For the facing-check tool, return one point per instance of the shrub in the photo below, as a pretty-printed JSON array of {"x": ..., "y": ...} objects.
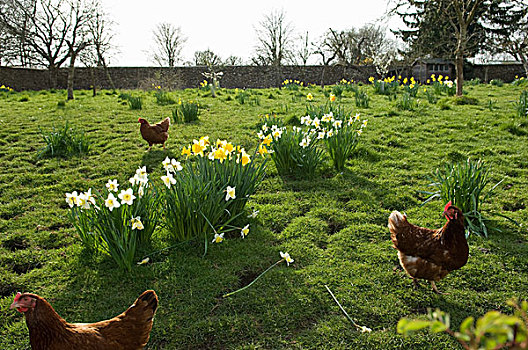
[
  {"x": 204, "y": 196},
  {"x": 24, "y": 98},
  {"x": 464, "y": 185},
  {"x": 521, "y": 107},
  {"x": 186, "y": 112},
  {"x": 121, "y": 229},
  {"x": 61, "y": 104},
  {"x": 64, "y": 142}
]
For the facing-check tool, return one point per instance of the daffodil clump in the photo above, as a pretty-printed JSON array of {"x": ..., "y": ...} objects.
[
  {"x": 4, "y": 88},
  {"x": 119, "y": 220},
  {"x": 294, "y": 151},
  {"x": 204, "y": 196},
  {"x": 186, "y": 112},
  {"x": 442, "y": 85},
  {"x": 339, "y": 130},
  {"x": 387, "y": 86},
  {"x": 292, "y": 84}
]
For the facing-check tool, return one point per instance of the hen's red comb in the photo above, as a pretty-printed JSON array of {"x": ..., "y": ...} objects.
[
  {"x": 447, "y": 205},
  {"x": 17, "y": 296}
]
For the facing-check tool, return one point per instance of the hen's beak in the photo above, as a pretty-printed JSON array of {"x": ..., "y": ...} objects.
[{"x": 14, "y": 305}]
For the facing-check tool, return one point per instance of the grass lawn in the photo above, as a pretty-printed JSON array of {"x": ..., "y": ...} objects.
[{"x": 334, "y": 226}]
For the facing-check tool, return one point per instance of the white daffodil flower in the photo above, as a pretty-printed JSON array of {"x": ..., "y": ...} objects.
[
  {"x": 230, "y": 193},
  {"x": 111, "y": 202},
  {"x": 245, "y": 230},
  {"x": 71, "y": 198},
  {"x": 136, "y": 223},
  {"x": 127, "y": 197},
  {"x": 176, "y": 165},
  {"x": 218, "y": 238},
  {"x": 167, "y": 164},
  {"x": 253, "y": 214},
  {"x": 287, "y": 258},
  {"x": 112, "y": 185},
  {"x": 168, "y": 180}
]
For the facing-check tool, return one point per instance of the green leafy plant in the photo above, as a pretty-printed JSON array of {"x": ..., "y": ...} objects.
[
  {"x": 430, "y": 96},
  {"x": 294, "y": 152},
  {"x": 135, "y": 102},
  {"x": 242, "y": 96},
  {"x": 339, "y": 130},
  {"x": 64, "y": 142},
  {"x": 494, "y": 330},
  {"x": 521, "y": 107},
  {"x": 186, "y": 112},
  {"x": 362, "y": 99},
  {"x": 406, "y": 102},
  {"x": 464, "y": 184},
  {"x": 163, "y": 98},
  {"x": 497, "y": 82},
  {"x": 121, "y": 227},
  {"x": 204, "y": 196}
]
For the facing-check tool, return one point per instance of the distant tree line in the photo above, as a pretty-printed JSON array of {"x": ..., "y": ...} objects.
[{"x": 57, "y": 33}]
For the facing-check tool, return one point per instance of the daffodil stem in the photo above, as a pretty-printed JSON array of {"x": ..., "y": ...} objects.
[
  {"x": 249, "y": 285},
  {"x": 343, "y": 310}
]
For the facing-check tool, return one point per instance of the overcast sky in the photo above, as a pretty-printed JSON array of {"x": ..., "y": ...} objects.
[{"x": 227, "y": 27}]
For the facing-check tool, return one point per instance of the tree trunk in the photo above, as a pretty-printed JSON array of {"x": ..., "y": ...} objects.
[
  {"x": 459, "y": 67},
  {"x": 71, "y": 71},
  {"x": 323, "y": 76},
  {"x": 52, "y": 78},
  {"x": 92, "y": 75},
  {"x": 107, "y": 72}
]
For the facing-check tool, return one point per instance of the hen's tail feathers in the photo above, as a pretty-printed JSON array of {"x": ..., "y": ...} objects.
[
  {"x": 164, "y": 124},
  {"x": 396, "y": 221}
]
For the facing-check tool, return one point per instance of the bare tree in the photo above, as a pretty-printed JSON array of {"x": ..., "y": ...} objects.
[
  {"x": 101, "y": 47},
  {"x": 169, "y": 42},
  {"x": 304, "y": 50},
  {"x": 206, "y": 58},
  {"x": 51, "y": 31},
  {"x": 274, "y": 47},
  {"x": 324, "y": 48},
  {"x": 233, "y": 61}
]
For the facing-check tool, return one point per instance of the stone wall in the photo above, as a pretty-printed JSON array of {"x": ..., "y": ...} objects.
[{"x": 234, "y": 76}]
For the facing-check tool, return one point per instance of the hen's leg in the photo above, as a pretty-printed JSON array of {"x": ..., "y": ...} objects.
[
  {"x": 433, "y": 284},
  {"x": 415, "y": 283}
]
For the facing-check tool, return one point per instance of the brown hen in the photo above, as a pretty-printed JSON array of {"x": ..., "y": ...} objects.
[
  {"x": 48, "y": 331},
  {"x": 430, "y": 254},
  {"x": 158, "y": 133}
]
